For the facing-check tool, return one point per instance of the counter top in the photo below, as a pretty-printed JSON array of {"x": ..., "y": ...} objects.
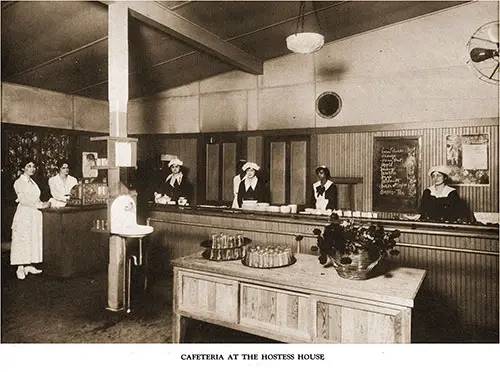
[
  {"x": 398, "y": 286},
  {"x": 318, "y": 221},
  {"x": 74, "y": 209}
]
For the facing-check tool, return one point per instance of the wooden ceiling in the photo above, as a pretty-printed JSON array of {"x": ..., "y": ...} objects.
[{"x": 63, "y": 45}]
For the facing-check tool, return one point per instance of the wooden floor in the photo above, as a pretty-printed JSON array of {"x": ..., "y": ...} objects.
[{"x": 41, "y": 309}]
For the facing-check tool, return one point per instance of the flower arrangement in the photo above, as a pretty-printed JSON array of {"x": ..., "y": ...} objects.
[{"x": 346, "y": 238}]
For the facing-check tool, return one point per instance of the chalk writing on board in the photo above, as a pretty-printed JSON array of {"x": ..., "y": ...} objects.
[{"x": 395, "y": 186}]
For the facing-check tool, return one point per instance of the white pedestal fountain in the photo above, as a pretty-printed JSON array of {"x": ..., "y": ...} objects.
[{"x": 123, "y": 222}]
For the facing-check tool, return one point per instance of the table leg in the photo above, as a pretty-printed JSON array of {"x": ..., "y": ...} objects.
[{"x": 178, "y": 328}]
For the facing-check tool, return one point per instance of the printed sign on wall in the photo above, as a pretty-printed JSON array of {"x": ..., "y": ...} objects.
[{"x": 467, "y": 156}]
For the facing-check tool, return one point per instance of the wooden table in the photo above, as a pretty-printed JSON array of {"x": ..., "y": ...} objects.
[{"x": 301, "y": 303}]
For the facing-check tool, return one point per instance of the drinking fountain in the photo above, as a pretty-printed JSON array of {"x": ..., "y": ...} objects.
[{"x": 123, "y": 223}]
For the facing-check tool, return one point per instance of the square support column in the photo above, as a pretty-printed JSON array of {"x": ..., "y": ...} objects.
[{"x": 118, "y": 100}]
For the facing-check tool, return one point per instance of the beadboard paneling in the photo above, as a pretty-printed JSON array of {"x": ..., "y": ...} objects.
[{"x": 351, "y": 155}]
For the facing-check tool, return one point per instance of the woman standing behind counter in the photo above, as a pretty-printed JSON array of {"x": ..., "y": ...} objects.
[
  {"x": 251, "y": 188},
  {"x": 61, "y": 185},
  {"x": 324, "y": 194},
  {"x": 441, "y": 202},
  {"x": 176, "y": 185},
  {"x": 26, "y": 248}
]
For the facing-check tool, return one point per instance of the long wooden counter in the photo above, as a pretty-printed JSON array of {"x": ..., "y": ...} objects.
[
  {"x": 462, "y": 282},
  {"x": 303, "y": 302},
  {"x": 69, "y": 246}
]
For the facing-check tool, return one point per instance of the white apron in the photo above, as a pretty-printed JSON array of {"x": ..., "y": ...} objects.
[
  {"x": 27, "y": 230},
  {"x": 236, "y": 186}
]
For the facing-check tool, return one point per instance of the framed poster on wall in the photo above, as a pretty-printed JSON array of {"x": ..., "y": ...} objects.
[
  {"x": 89, "y": 160},
  {"x": 396, "y": 163},
  {"x": 467, "y": 157}
]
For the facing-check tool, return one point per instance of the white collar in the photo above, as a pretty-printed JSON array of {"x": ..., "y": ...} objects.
[
  {"x": 250, "y": 183},
  {"x": 27, "y": 179},
  {"x": 327, "y": 184},
  {"x": 443, "y": 194},
  {"x": 174, "y": 177}
]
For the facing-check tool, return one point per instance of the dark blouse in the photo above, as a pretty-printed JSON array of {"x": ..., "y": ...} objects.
[
  {"x": 259, "y": 193},
  {"x": 184, "y": 189},
  {"x": 331, "y": 195},
  {"x": 449, "y": 208}
]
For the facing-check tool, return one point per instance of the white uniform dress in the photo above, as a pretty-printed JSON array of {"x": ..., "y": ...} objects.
[
  {"x": 27, "y": 231},
  {"x": 236, "y": 186},
  {"x": 59, "y": 189}
]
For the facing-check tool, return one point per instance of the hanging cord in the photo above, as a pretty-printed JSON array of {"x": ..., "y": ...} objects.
[
  {"x": 317, "y": 19},
  {"x": 300, "y": 20},
  {"x": 302, "y": 16}
]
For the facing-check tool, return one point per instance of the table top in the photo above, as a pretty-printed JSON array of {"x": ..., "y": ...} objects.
[{"x": 399, "y": 286}]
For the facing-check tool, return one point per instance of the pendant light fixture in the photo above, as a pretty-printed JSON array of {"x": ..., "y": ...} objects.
[{"x": 301, "y": 41}]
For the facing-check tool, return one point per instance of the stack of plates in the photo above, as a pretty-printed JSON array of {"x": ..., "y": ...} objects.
[
  {"x": 249, "y": 204},
  {"x": 262, "y": 206},
  {"x": 273, "y": 208}
]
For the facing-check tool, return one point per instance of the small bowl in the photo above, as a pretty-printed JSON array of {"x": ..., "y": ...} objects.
[
  {"x": 285, "y": 209},
  {"x": 486, "y": 218},
  {"x": 411, "y": 216}
]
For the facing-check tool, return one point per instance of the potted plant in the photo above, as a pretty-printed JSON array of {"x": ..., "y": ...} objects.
[{"x": 354, "y": 249}]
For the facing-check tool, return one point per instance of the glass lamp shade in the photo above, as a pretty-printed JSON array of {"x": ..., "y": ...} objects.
[{"x": 305, "y": 42}]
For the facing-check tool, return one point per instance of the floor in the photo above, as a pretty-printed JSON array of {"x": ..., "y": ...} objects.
[{"x": 43, "y": 309}]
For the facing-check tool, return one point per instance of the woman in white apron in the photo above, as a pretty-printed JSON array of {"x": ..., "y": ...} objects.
[
  {"x": 26, "y": 247},
  {"x": 324, "y": 191},
  {"x": 61, "y": 185},
  {"x": 240, "y": 176}
]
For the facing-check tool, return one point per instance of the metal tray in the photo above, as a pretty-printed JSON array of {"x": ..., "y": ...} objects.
[
  {"x": 206, "y": 255},
  {"x": 208, "y": 243},
  {"x": 274, "y": 267}
]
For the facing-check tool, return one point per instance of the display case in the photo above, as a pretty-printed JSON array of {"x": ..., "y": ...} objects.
[{"x": 88, "y": 194}]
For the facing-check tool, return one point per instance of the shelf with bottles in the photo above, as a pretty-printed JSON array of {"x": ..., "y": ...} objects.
[{"x": 100, "y": 226}]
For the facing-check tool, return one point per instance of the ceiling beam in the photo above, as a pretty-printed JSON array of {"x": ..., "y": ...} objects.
[{"x": 173, "y": 24}]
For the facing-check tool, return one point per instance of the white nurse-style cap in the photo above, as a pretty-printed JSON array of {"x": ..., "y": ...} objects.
[
  {"x": 175, "y": 162},
  {"x": 441, "y": 169},
  {"x": 250, "y": 164}
]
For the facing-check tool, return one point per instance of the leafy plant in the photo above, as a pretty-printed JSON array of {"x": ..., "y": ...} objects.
[{"x": 348, "y": 237}]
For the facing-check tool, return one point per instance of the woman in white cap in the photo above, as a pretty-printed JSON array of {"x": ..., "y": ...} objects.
[
  {"x": 176, "y": 185},
  {"x": 251, "y": 188},
  {"x": 324, "y": 194},
  {"x": 441, "y": 202}
]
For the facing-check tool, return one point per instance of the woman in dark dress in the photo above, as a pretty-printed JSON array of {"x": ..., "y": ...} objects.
[
  {"x": 324, "y": 195},
  {"x": 176, "y": 185},
  {"x": 251, "y": 187},
  {"x": 441, "y": 202}
]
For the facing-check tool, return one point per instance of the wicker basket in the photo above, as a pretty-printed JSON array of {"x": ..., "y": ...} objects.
[{"x": 359, "y": 268}]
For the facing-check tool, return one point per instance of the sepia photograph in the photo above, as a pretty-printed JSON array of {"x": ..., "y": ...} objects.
[{"x": 250, "y": 184}]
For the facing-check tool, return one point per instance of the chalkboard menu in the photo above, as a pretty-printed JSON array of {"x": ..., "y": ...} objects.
[{"x": 395, "y": 174}]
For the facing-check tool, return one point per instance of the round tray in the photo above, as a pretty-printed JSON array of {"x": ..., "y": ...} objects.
[
  {"x": 274, "y": 267},
  {"x": 206, "y": 255},
  {"x": 208, "y": 243}
]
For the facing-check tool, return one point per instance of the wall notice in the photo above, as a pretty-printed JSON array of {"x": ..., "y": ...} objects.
[
  {"x": 395, "y": 174},
  {"x": 467, "y": 157}
]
